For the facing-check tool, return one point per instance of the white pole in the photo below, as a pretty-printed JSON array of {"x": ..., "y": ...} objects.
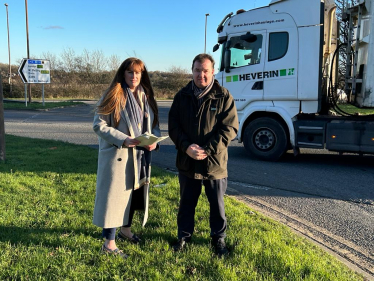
[
  {"x": 26, "y": 94},
  {"x": 2, "y": 126},
  {"x": 43, "y": 93},
  {"x": 28, "y": 46},
  {"x": 10, "y": 66},
  {"x": 206, "y": 20}
]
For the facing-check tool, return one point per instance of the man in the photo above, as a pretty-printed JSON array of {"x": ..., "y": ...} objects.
[{"x": 202, "y": 123}]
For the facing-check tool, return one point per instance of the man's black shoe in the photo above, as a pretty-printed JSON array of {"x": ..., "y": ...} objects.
[
  {"x": 180, "y": 245},
  {"x": 220, "y": 247}
]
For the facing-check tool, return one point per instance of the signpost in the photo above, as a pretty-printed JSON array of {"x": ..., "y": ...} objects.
[
  {"x": 35, "y": 71},
  {"x": 2, "y": 126}
]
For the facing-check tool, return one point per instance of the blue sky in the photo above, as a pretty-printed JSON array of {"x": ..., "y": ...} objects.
[{"x": 163, "y": 33}]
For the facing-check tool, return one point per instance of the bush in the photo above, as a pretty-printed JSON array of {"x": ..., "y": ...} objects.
[{"x": 90, "y": 85}]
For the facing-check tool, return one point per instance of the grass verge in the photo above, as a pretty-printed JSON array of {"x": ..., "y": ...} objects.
[
  {"x": 38, "y": 105},
  {"x": 47, "y": 192},
  {"x": 351, "y": 109}
]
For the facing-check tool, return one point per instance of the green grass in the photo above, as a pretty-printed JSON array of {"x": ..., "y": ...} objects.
[
  {"x": 351, "y": 109},
  {"x": 38, "y": 105},
  {"x": 47, "y": 191}
]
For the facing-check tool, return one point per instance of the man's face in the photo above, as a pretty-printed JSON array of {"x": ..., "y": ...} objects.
[{"x": 202, "y": 73}]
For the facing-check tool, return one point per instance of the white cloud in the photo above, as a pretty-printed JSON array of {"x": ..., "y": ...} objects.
[{"x": 53, "y": 27}]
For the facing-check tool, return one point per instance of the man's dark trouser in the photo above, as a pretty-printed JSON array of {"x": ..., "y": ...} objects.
[{"x": 190, "y": 190}]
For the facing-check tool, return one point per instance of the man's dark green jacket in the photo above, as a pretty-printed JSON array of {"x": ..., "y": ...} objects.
[{"x": 212, "y": 126}]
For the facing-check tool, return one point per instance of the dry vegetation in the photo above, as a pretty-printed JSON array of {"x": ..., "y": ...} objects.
[{"x": 86, "y": 76}]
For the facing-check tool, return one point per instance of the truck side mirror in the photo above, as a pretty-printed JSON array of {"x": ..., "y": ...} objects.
[
  {"x": 227, "y": 59},
  {"x": 248, "y": 37},
  {"x": 216, "y": 47}
]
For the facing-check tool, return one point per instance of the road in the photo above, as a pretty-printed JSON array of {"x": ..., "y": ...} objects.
[{"x": 326, "y": 197}]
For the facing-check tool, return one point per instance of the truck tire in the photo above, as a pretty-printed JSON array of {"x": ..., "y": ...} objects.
[{"x": 265, "y": 138}]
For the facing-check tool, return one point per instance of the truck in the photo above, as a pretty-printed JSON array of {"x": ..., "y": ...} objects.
[{"x": 280, "y": 64}]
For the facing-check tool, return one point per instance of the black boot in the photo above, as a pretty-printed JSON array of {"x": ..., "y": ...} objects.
[
  {"x": 220, "y": 247},
  {"x": 180, "y": 245}
]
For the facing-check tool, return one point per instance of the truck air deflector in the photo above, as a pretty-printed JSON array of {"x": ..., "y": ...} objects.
[{"x": 220, "y": 26}]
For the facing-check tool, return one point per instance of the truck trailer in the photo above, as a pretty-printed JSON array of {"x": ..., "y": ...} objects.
[{"x": 280, "y": 64}]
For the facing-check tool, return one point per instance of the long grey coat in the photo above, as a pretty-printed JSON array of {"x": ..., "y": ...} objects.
[{"x": 115, "y": 172}]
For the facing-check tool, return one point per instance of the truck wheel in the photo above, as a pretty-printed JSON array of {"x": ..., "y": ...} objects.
[{"x": 265, "y": 138}]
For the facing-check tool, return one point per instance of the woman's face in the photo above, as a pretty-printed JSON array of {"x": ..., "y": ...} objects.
[{"x": 133, "y": 76}]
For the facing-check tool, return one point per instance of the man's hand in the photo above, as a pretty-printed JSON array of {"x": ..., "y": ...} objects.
[
  {"x": 196, "y": 152},
  {"x": 129, "y": 142}
]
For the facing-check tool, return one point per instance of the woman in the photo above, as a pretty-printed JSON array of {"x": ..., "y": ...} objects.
[{"x": 126, "y": 110}]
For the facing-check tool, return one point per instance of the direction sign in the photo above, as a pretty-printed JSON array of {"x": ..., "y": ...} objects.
[{"x": 35, "y": 71}]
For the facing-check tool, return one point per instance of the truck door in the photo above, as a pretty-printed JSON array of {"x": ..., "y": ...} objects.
[
  {"x": 280, "y": 83},
  {"x": 245, "y": 79}
]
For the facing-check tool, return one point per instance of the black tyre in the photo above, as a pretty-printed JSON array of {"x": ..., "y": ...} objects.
[{"x": 265, "y": 138}]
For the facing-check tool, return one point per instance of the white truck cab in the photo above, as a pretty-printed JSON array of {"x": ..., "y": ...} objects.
[{"x": 272, "y": 61}]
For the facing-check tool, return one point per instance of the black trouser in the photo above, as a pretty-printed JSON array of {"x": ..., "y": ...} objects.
[
  {"x": 110, "y": 233},
  {"x": 190, "y": 190}
]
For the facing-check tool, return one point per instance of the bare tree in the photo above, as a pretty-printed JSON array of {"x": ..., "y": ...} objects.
[
  {"x": 53, "y": 61},
  {"x": 99, "y": 61},
  {"x": 86, "y": 59},
  {"x": 113, "y": 62},
  {"x": 68, "y": 59}
]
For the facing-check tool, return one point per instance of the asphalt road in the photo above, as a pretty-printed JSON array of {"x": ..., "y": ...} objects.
[{"x": 328, "y": 198}]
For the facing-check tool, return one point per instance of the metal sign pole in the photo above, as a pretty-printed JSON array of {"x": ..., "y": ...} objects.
[
  {"x": 10, "y": 66},
  {"x": 28, "y": 46},
  {"x": 43, "y": 93},
  {"x": 26, "y": 94},
  {"x": 2, "y": 126}
]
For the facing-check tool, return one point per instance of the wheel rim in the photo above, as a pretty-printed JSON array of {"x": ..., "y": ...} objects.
[{"x": 264, "y": 139}]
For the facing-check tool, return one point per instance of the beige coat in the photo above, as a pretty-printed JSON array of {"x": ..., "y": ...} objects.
[{"x": 115, "y": 173}]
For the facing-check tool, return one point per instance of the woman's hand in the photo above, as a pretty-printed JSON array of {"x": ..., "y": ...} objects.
[
  {"x": 151, "y": 147},
  {"x": 129, "y": 142}
]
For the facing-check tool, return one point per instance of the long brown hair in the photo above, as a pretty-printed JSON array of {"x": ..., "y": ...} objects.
[{"x": 114, "y": 98}]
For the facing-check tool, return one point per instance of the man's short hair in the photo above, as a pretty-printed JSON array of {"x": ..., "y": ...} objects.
[{"x": 202, "y": 57}]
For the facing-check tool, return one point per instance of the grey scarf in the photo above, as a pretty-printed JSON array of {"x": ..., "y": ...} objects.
[
  {"x": 199, "y": 93},
  {"x": 137, "y": 118}
]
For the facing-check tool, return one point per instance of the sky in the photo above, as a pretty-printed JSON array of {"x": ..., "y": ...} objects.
[{"x": 162, "y": 33}]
